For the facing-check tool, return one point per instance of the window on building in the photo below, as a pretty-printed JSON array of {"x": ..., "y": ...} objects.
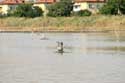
[
  {"x": 12, "y": 7},
  {"x": 91, "y": 6},
  {"x": 77, "y": 6},
  {"x": 99, "y": 6}
]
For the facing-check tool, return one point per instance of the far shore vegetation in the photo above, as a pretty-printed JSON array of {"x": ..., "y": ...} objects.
[
  {"x": 27, "y": 18},
  {"x": 92, "y": 23}
]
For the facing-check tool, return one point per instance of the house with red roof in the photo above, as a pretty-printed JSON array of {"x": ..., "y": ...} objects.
[
  {"x": 6, "y": 5},
  {"x": 91, "y": 5}
]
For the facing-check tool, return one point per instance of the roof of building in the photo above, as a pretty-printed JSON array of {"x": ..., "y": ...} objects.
[
  {"x": 11, "y": 2},
  {"x": 90, "y": 0},
  {"x": 14, "y": 2},
  {"x": 45, "y": 1}
]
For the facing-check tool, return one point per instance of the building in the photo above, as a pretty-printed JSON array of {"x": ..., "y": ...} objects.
[
  {"x": 7, "y": 5},
  {"x": 91, "y": 5}
]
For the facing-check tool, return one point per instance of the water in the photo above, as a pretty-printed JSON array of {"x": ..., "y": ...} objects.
[{"x": 88, "y": 58}]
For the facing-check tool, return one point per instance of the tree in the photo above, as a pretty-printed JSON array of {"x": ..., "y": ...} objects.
[
  {"x": 113, "y": 7},
  {"x": 37, "y": 11},
  {"x": 27, "y": 10},
  {"x": 61, "y": 8},
  {"x": 122, "y": 6}
]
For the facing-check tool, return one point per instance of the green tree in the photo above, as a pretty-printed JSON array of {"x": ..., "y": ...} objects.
[
  {"x": 27, "y": 10},
  {"x": 37, "y": 11},
  {"x": 61, "y": 8},
  {"x": 113, "y": 7},
  {"x": 122, "y": 6}
]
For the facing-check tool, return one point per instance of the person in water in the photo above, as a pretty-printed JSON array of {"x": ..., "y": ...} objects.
[{"x": 60, "y": 47}]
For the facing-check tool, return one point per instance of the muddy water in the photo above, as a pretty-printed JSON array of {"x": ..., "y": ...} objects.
[{"x": 87, "y": 58}]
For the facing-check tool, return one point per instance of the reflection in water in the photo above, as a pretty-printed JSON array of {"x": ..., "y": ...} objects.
[{"x": 87, "y": 58}]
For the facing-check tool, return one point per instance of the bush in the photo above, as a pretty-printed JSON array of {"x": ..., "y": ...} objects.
[
  {"x": 62, "y": 8},
  {"x": 37, "y": 11},
  {"x": 113, "y": 7},
  {"x": 82, "y": 13},
  {"x": 108, "y": 9},
  {"x": 2, "y": 15},
  {"x": 122, "y": 7},
  {"x": 27, "y": 10}
]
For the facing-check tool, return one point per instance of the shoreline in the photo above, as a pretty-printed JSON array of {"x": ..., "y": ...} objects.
[{"x": 59, "y": 31}]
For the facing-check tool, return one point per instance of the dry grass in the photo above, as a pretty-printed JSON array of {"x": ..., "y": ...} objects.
[{"x": 96, "y": 23}]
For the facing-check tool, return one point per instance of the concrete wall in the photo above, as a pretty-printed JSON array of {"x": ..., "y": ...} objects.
[
  {"x": 80, "y": 6},
  {"x": 5, "y": 8},
  {"x": 93, "y": 7}
]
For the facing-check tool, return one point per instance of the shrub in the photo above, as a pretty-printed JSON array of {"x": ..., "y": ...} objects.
[
  {"x": 122, "y": 7},
  {"x": 113, "y": 7},
  {"x": 82, "y": 13},
  {"x": 108, "y": 9},
  {"x": 27, "y": 10},
  {"x": 37, "y": 11},
  {"x": 2, "y": 15},
  {"x": 62, "y": 8}
]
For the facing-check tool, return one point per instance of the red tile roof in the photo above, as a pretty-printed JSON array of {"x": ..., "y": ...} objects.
[
  {"x": 12, "y": 2},
  {"x": 45, "y": 1},
  {"x": 90, "y": 0}
]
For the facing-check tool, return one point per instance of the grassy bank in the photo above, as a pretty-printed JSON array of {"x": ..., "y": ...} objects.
[{"x": 92, "y": 23}]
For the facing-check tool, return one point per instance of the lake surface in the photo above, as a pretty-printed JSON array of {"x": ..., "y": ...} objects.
[{"x": 87, "y": 58}]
